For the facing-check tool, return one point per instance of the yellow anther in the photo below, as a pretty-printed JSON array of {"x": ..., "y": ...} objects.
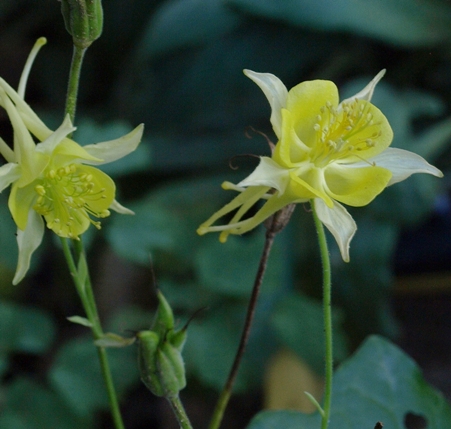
[{"x": 40, "y": 190}]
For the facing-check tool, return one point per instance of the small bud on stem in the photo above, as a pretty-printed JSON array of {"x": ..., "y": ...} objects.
[{"x": 83, "y": 20}]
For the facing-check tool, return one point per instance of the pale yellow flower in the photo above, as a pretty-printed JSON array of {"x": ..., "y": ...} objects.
[
  {"x": 327, "y": 152},
  {"x": 55, "y": 178}
]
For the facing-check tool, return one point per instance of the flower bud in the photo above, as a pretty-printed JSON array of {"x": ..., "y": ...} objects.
[
  {"x": 159, "y": 353},
  {"x": 164, "y": 319},
  {"x": 83, "y": 20}
]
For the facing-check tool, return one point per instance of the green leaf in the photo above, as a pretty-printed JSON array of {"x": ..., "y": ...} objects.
[
  {"x": 298, "y": 322},
  {"x": 378, "y": 383},
  {"x": 181, "y": 23},
  {"x": 76, "y": 375},
  {"x": 24, "y": 329},
  {"x": 80, "y": 321},
  {"x": 28, "y": 405},
  {"x": 113, "y": 340},
  {"x": 402, "y": 22}
]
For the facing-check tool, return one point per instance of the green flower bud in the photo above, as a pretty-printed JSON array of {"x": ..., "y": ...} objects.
[
  {"x": 177, "y": 338},
  {"x": 83, "y": 20},
  {"x": 164, "y": 319},
  {"x": 172, "y": 369},
  {"x": 160, "y": 364},
  {"x": 147, "y": 361},
  {"x": 159, "y": 353}
]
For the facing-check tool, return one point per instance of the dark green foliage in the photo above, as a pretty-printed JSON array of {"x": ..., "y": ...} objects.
[
  {"x": 379, "y": 383},
  {"x": 176, "y": 65}
]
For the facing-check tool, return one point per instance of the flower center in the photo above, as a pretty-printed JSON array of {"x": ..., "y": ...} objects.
[
  {"x": 344, "y": 133},
  {"x": 69, "y": 195}
]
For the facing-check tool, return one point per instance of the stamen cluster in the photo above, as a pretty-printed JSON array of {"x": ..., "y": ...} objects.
[
  {"x": 67, "y": 196},
  {"x": 344, "y": 131}
]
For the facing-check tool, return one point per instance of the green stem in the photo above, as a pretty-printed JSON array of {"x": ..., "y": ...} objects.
[
  {"x": 84, "y": 289},
  {"x": 327, "y": 310},
  {"x": 179, "y": 412},
  {"x": 74, "y": 79},
  {"x": 84, "y": 286}
]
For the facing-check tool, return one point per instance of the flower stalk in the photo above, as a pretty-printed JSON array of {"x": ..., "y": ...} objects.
[
  {"x": 81, "y": 276},
  {"x": 83, "y": 286},
  {"x": 74, "y": 79},
  {"x": 274, "y": 225},
  {"x": 327, "y": 319}
]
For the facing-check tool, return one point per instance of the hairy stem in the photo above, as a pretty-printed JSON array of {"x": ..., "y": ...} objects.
[
  {"x": 83, "y": 286},
  {"x": 179, "y": 412},
  {"x": 74, "y": 79},
  {"x": 327, "y": 315}
]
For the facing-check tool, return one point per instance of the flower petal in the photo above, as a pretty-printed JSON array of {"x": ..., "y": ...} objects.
[
  {"x": 20, "y": 203},
  {"x": 50, "y": 143},
  {"x": 355, "y": 186},
  {"x": 339, "y": 222},
  {"x": 370, "y": 136},
  {"x": 310, "y": 185},
  {"x": 305, "y": 102},
  {"x": 268, "y": 173},
  {"x": 403, "y": 164},
  {"x": 276, "y": 93},
  {"x": 8, "y": 174},
  {"x": 28, "y": 241},
  {"x": 290, "y": 149},
  {"x": 367, "y": 92},
  {"x": 115, "y": 149}
]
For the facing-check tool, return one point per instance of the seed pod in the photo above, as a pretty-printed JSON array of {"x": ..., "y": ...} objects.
[
  {"x": 171, "y": 369},
  {"x": 83, "y": 20},
  {"x": 147, "y": 361}
]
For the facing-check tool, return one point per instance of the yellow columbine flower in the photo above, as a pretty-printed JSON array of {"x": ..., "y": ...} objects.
[
  {"x": 328, "y": 152},
  {"x": 55, "y": 178}
]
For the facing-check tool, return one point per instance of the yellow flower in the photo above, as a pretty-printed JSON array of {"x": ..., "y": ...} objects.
[
  {"x": 55, "y": 178},
  {"x": 327, "y": 152}
]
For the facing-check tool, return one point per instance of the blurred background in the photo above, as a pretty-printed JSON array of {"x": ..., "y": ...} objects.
[{"x": 176, "y": 65}]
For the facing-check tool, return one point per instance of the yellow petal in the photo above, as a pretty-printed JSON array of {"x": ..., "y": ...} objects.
[
  {"x": 20, "y": 202},
  {"x": 305, "y": 102},
  {"x": 370, "y": 135},
  {"x": 301, "y": 189},
  {"x": 290, "y": 149},
  {"x": 355, "y": 186}
]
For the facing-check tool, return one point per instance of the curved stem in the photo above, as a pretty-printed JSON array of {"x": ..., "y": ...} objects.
[
  {"x": 82, "y": 283},
  {"x": 74, "y": 78},
  {"x": 179, "y": 412},
  {"x": 223, "y": 400},
  {"x": 327, "y": 315}
]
